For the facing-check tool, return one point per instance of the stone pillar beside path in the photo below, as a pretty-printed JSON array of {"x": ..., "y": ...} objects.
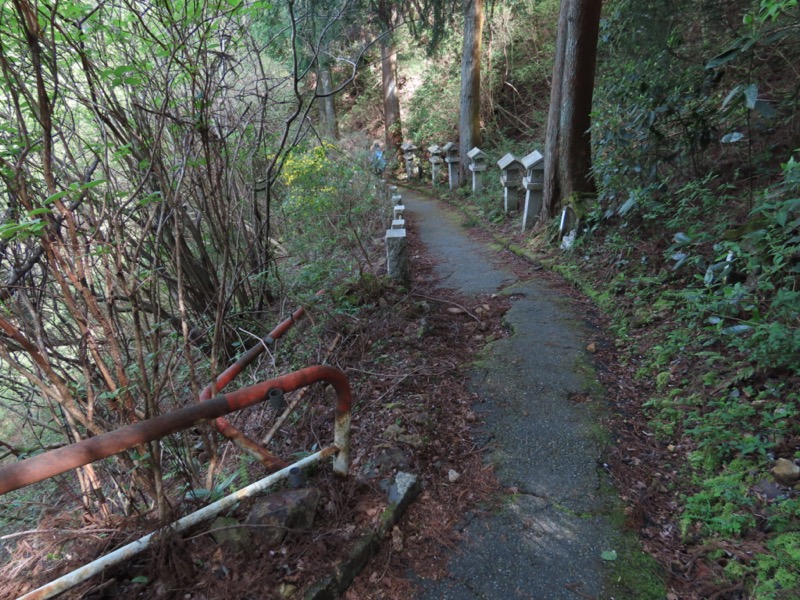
[
  {"x": 382, "y": 188},
  {"x": 451, "y": 158},
  {"x": 397, "y": 206},
  {"x": 477, "y": 164},
  {"x": 436, "y": 163},
  {"x": 408, "y": 155},
  {"x": 533, "y": 182},
  {"x": 397, "y": 264},
  {"x": 511, "y": 169}
]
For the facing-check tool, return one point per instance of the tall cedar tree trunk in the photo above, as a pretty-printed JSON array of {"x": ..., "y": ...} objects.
[
  {"x": 568, "y": 157},
  {"x": 391, "y": 102},
  {"x": 327, "y": 108},
  {"x": 469, "y": 124}
]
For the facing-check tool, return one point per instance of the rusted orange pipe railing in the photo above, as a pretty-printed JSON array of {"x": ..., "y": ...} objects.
[
  {"x": 222, "y": 424},
  {"x": 61, "y": 460}
]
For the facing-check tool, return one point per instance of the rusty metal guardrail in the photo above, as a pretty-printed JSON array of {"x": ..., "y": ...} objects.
[
  {"x": 61, "y": 460},
  {"x": 269, "y": 460}
]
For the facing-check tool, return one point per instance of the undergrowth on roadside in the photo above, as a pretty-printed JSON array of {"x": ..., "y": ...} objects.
[
  {"x": 697, "y": 263},
  {"x": 692, "y": 248}
]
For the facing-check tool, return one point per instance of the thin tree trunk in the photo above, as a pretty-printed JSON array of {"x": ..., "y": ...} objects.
[
  {"x": 568, "y": 158},
  {"x": 391, "y": 102},
  {"x": 327, "y": 107},
  {"x": 552, "y": 193},
  {"x": 580, "y": 57},
  {"x": 469, "y": 126}
]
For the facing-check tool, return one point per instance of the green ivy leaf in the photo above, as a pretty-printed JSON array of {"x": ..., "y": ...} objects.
[
  {"x": 609, "y": 555},
  {"x": 721, "y": 59},
  {"x": 731, "y": 96},
  {"x": 732, "y": 137},
  {"x": 751, "y": 95}
]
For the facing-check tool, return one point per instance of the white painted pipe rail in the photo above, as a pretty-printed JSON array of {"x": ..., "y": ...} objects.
[{"x": 128, "y": 551}]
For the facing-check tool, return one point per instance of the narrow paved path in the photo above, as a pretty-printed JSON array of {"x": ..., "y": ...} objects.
[{"x": 546, "y": 541}]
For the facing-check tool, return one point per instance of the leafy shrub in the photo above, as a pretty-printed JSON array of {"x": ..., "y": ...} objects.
[
  {"x": 723, "y": 506},
  {"x": 433, "y": 111},
  {"x": 331, "y": 215},
  {"x": 778, "y": 574}
]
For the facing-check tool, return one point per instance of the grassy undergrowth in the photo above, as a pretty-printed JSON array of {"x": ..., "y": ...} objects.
[{"x": 710, "y": 317}]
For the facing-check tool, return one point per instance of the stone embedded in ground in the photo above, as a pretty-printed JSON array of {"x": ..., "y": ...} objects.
[
  {"x": 280, "y": 512},
  {"x": 423, "y": 420},
  {"x": 227, "y": 530},
  {"x": 453, "y": 475},
  {"x": 397, "y": 539},
  {"x": 391, "y": 458},
  {"x": 393, "y": 431},
  {"x": 769, "y": 489},
  {"x": 404, "y": 489},
  {"x": 786, "y": 472},
  {"x": 412, "y": 439}
]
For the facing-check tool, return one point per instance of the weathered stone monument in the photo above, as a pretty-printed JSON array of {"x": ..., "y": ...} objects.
[
  {"x": 391, "y": 191},
  {"x": 436, "y": 163},
  {"x": 409, "y": 155},
  {"x": 533, "y": 182},
  {"x": 477, "y": 164},
  {"x": 451, "y": 158},
  {"x": 510, "y": 178},
  {"x": 397, "y": 266},
  {"x": 381, "y": 188},
  {"x": 568, "y": 227}
]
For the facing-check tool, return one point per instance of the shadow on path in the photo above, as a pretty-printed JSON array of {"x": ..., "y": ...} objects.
[{"x": 547, "y": 539}]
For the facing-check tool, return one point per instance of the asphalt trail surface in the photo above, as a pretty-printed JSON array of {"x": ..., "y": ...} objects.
[{"x": 546, "y": 541}]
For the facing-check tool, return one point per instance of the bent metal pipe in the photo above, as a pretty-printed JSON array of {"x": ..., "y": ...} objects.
[
  {"x": 252, "y": 447},
  {"x": 61, "y": 460}
]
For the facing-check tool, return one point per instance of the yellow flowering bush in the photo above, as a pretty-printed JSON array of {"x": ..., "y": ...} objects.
[{"x": 308, "y": 176}]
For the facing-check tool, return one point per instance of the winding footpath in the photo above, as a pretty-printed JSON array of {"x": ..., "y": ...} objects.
[{"x": 547, "y": 540}]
